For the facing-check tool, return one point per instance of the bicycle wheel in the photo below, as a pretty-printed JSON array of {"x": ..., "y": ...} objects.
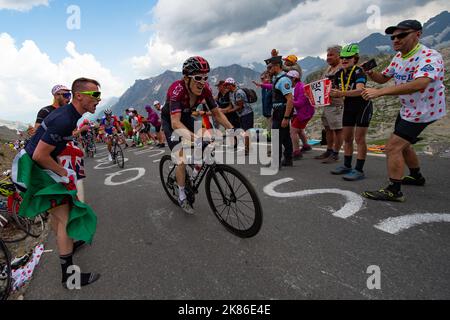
[
  {"x": 118, "y": 156},
  {"x": 5, "y": 271},
  {"x": 168, "y": 179},
  {"x": 234, "y": 201},
  {"x": 16, "y": 229}
]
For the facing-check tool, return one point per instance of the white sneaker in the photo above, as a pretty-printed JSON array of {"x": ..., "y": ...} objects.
[
  {"x": 110, "y": 158},
  {"x": 186, "y": 206}
]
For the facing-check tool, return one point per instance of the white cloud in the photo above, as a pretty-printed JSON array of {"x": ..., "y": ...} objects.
[
  {"x": 160, "y": 56},
  {"x": 21, "y": 5},
  {"x": 304, "y": 28},
  {"x": 27, "y": 75}
]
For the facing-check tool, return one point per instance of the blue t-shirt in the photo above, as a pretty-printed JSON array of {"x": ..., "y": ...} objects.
[{"x": 56, "y": 130}]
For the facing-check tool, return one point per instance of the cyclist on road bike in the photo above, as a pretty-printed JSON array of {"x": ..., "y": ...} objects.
[
  {"x": 183, "y": 97},
  {"x": 111, "y": 126}
]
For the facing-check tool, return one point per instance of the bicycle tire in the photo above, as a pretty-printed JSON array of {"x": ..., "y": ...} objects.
[
  {"x": 118, "y": 156},
  {"x": 169, "y": 183},
  {"x": 253, "y": 223},
  {"x": 16, "y": 230},
  {"x": 5, "y": 271}
]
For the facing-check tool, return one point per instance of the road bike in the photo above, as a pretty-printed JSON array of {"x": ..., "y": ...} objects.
[
  {"x": 15, "y": 228},
  {"x": 230, "y": 195},
  {"x": 89, "y": 145},
  {"x": 116, "y": 151}
]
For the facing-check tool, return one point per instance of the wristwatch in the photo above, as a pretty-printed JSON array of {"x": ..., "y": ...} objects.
[{"x": 287, "y": 118}]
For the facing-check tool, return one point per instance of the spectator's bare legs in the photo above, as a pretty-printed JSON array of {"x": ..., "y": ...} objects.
[
  {"x": 360, "y": 138},
  {"x": 349, "y": 136},
  {"x": 303, "y": 137},
  {"x": 410, "y": 156},
  {"x": 60, "y": 217},
  {"x": 395, "y": 151},
  {"x": 295, "y": 133},
  {"x": 330, "y": 138},
  {"x": 338, "y": 140}
]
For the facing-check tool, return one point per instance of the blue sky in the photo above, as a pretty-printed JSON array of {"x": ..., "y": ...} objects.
[
  {"x": 109, "y": 29},
  {"x": 122, "y": 41}
]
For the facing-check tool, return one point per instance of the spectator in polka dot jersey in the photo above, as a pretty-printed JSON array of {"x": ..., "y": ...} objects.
[{"x": 419, "y": 74}]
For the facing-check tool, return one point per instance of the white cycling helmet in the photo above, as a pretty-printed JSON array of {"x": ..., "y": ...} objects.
[{"x": 156, "y": 103}]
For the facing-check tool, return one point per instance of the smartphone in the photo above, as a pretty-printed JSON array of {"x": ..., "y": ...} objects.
[{"x": 369, "y": 65}]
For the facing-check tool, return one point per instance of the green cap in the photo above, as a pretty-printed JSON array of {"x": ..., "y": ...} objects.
[{"x": 350, "y": 50}]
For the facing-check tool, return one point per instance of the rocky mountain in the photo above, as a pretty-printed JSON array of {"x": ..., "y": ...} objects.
[
  {"x": 311, "y": 64},
  {"x": 13, "y": 125},
  {"x": 7, "y": 134},
  {"x": 436, "y": 34},
  {"x": 144, "y": 92},
  {"x": 308, "y": 64}
]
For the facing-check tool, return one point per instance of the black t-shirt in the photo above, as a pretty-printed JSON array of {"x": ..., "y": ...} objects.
[
  {"x": 56, "y": 130},
  {"x": 358, "y": 76},
  {"x": 43, "y": 113}
]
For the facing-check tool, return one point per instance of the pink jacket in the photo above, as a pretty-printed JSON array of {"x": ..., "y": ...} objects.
[{"x": 303, "y": 108}]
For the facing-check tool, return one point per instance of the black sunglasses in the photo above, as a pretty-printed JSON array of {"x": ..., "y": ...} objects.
[
  {"x": 346, "y": 58},
  {"x": 402, "y": 35}
]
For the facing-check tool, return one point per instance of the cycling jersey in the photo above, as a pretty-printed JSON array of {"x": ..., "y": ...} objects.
[
  {"x": 178, "y": 101},
  {"x": 43, "y": 113},
  {"x": 346, "y": 80},
  {"x": 56, "y": 130},
  {"x": 427, "y": 105},
  {"x": 109, "y": 125}
]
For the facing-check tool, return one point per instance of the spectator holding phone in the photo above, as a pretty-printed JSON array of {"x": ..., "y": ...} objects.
[{"x": 419, "y": 75}]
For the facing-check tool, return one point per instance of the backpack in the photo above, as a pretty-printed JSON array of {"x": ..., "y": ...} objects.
[{"x": 251, "y": 95}]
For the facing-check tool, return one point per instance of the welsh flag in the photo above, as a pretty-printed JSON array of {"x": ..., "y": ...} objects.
[{"x": 43, "y": 190}]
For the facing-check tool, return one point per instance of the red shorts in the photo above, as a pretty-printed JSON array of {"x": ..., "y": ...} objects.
[{"x": 297, "y": 124}]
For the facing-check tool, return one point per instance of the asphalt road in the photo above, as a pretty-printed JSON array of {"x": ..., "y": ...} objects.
[{"x": 315, "y": 244}]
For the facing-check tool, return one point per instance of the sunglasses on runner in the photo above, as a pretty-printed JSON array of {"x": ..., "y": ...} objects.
[
  {"x": 402, "y": 35},
  {"x": 199, "y": 78},
  {"x": 94, "y": 94},
  {"x": 66, "y": 95},
  {"x": 346, "y": 58}
]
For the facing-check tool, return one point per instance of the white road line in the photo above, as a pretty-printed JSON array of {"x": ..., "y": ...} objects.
[
  {"x": 100, "y": 165},
  {"x": 109, "y": 182},
  {"x": 399, "y": 224},
  {"x": 157, "y": 153},
  {"x": 137, "y": 153},
  {"x": 353, "y": 205}
]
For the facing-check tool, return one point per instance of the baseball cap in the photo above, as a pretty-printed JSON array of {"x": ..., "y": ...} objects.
[
  {"x": 293, "y": 74},
  {"x": 407, "y": 24},
  {"x": 230, "y": 81},
  {"x": 291, "y": 58},
  {"x": 58, "y": 88}
]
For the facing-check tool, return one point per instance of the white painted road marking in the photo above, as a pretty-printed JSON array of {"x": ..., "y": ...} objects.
[
  {"x": 157, "y": 153},
  {"x": 100, "y": 166},
  {"x": 353, "y": 205},
  {"x": 109, "y": 182},
  {"x": 399, "y": 224},
  {"x": 143, "y": 151}
]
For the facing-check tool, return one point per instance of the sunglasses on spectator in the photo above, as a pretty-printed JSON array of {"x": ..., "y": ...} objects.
[
  {"x": 402, "y": 35},
  {"x": 66, "y": 95},
  {"x": 94, "y": 94},
  {"x": 199, "y": 78}
]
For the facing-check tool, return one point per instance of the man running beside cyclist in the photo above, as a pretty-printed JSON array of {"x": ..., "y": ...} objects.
[{"x": 183, "y": 97}]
